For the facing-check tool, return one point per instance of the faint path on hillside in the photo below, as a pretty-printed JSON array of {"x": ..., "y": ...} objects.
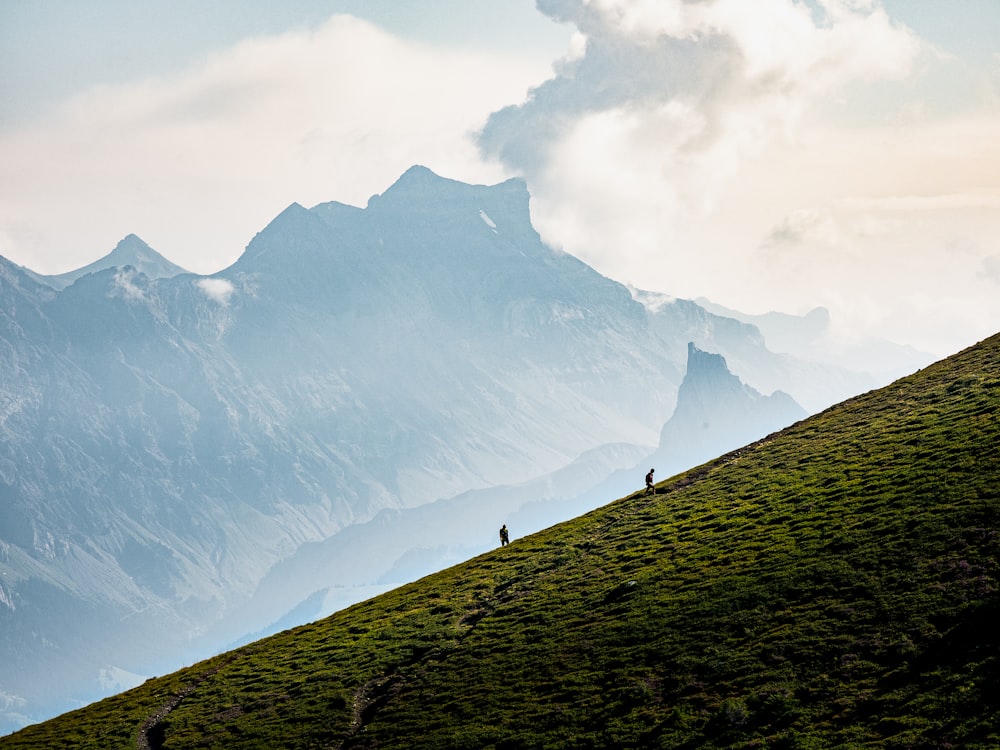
[{"x": 151, "y": 733}]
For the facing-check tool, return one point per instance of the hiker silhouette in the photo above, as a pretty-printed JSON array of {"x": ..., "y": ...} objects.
[
  {"x": 504, "y": 536},
  {"x": 649, "y": 482}
]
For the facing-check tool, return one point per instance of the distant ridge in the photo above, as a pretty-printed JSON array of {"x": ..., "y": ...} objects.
[
  {"x": 130, "y": 251},
  {"x": 833, "y": 585},
  {"x": 809, "y": 336}
]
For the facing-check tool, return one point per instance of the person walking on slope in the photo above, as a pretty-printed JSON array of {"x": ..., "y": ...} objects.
[
  {"x": 649, "y": 482},
  {"x": 504, "y": 537}
]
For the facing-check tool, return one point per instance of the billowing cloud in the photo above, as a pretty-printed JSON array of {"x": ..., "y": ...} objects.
[
  {"x": 644, "y": 130},
  {"x": 197, "y": 162},
  {"x": 733, "y": 65},
  {"x": 775, "y": 155}
]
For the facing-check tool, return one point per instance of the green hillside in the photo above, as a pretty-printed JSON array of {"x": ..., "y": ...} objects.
[{"x": 834, "y": 585}]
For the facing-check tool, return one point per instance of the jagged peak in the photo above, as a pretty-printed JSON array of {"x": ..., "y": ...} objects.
[
  {"x": 336, "y": 214},
  {"x": 422, "y": 180},
  {"x": 293, "y": 211},
  {"x": 292, "y": 216},
  {"x": 708, "y": 377},
  {"x": 131, "y": 250},
  {"x": 701, "y": 362}
]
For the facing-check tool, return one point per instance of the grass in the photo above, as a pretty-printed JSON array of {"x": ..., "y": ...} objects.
[{"x": 834, "y": 585}]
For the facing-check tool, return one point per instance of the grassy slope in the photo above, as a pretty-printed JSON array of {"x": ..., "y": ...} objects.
[{"x": 834, "y": 585}]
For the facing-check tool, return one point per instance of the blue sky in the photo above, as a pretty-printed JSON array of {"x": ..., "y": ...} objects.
[{"x": 767, "y": 155}]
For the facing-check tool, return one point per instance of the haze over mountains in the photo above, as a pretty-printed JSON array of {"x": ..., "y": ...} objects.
[
  {"x": 174, "y": 447},
  {"x": 810, "y": 336},
  {"x": 832, "y": 585}
]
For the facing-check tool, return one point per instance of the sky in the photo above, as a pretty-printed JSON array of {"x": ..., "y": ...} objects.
[{"x": 774, "y": 155}]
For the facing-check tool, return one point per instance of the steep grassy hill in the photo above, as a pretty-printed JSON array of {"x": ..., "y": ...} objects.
[{"x": 834, "y": 585}]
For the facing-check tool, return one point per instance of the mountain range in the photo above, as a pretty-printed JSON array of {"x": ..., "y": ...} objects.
[
  {"x": 173, "y": 447},
  {"x": 833, "y": 584}
]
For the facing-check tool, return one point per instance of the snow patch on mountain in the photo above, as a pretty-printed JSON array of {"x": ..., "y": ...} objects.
[
  {"x": 6, "y": 600},
  {"x": 487, "y": 220}
]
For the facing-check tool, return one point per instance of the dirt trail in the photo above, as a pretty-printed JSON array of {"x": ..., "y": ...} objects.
[{"x": 151, "y": 733}]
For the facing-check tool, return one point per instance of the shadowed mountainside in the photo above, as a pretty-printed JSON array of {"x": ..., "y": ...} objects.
[{"x": 833, "y": 585}]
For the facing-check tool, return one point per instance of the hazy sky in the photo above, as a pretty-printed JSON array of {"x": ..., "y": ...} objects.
[{"x": 768, "y": 155}]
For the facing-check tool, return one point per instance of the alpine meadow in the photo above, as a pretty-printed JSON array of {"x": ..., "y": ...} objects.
[{"x": 834, "y": 584}]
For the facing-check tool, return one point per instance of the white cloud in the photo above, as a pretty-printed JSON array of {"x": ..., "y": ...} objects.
[
  {"x": 198, "y": 162},
  {"x": 747, "y": 152},
  {"x": 805, "y": 227},
  {"x": 916, "y": 269},
  {"x": 219, "y": 290},
  {"x": 125, "y": 279},
  {"x": 669, "y": 101}
]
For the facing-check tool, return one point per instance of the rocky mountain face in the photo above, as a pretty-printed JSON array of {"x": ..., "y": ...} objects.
[
  {"x": 716, "y": 413},
  {"x": 167, "y": 442}
]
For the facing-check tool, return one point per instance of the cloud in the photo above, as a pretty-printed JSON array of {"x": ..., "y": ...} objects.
[
  {"x": 919, "y": 270},
  {"x": 125, "y": 284},
  {"x": 927, "y": 202},
  {"x": 805, "y": 227},
  {"x": 219, "y": 290},
  {"x": 774, "y": 155},
  {"x": 735, "y": 64},
  {"x": 635, "y": 140},
  {"x": 197, "y": 162}
]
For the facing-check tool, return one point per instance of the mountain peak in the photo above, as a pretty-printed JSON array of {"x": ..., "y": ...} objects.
[
  {"x": 709, "y": 384},
  {"x": 131, "y": 250},
  {"x": 715, "y": 408},
  {"x": 420, "y": 209},
  {"x": 419, "y": 172},
  {"x": 708, "y": 369},
  {"x": 419, "y": 180}
]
